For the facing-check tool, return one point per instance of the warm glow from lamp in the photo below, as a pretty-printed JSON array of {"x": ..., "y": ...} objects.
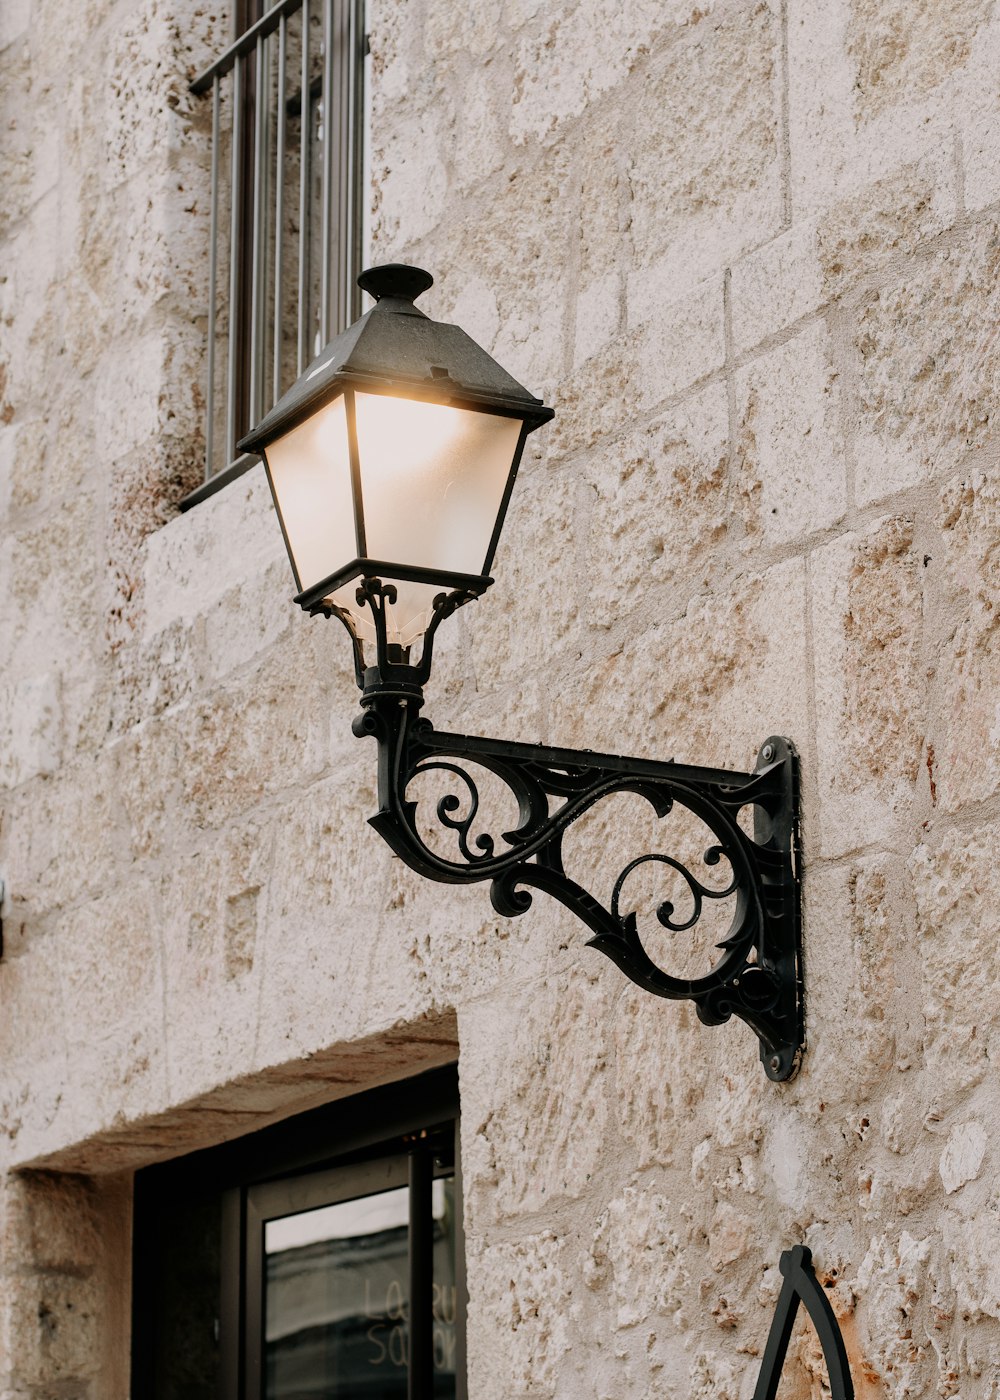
[{"x": 432, "y": 480}]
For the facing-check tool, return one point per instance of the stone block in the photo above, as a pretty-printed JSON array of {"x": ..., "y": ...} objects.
[
  {"x": 707, "y": 687},
  {"x": 267, "y": 732},
  {"x": 901, "y": 51},
  {"x": 554, "y": 1091},
  {"x": 62, "y": 836},
  {"x": 533, "y": 608},
  {"x": 676, "y": 341},
  {"x": 882, "y": 224},
  {"x": 867, "y": 606},
  {"x": 532, "y": 208},
  {"x": 50, "y": 1222},
  {"x": 841, "y": 140},
  {"x": 41, "y": 565},
  {"x": 955, "y": 882},
  {"x": 965, "y": 765},
  {"x": 109, "y": 955},
  {"x": 790, "y": 455},
  {"x": 663, "y": 506},
  {"x": 928, "y": 369},
  {"x": 776, "y": 285},
  {"x": 55, "y": 1320},
  {"x": 704, "y": 164},
  {"x": 581, "y": 51},
  {"x": 670, "y": 346},
  {"x": 30, "y": 729},
  {"x": 858, "y": 922},
  {"x": 195, "y": 560},
  {"x": 518, "y": 1301}
]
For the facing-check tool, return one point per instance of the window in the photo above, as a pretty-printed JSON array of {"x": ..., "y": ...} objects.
[
  {"x": 319, "y": 1259},
  {"x": 285, "y": 239}
]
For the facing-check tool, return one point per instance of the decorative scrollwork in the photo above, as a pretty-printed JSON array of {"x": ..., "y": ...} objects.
[
  {"x": 699, "y": 892},
  {"x": 757, "y": 974}
]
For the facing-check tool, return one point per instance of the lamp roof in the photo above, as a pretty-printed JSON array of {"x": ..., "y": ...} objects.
[{"x": 397, "y": 345}]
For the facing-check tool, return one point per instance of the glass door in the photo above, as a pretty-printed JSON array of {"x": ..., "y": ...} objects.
[{"x": 352, "y": 1291}]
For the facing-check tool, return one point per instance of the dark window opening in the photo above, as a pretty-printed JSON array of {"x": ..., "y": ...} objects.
[
  {"x": 285, "y": 240},
  {"x": 320, "y": 1259}
]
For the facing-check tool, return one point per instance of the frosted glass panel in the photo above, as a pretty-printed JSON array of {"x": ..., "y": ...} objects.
[
  {"x": 432, "y": 480},
  {"x": 310, "y": 468},
  {"x": 405, "y": 619}
]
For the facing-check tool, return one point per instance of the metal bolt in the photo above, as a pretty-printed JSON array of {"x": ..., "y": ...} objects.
[
  {"x": 767, "y": 753},
  {"x": 775, "y": 1062}
]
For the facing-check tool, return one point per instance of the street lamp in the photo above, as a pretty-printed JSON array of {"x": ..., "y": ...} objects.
[{"x": 391, "y": 462}]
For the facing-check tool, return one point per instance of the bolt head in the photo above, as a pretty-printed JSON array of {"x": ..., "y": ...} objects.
[{"x": 767, "y": 753}]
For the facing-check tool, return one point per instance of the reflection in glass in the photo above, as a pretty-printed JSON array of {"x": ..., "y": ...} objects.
[{"x": 337, "y": 1299}]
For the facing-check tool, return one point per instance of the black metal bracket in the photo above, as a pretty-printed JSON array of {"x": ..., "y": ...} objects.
[
  {"x": 758, "y": 975},
  {"x": 802, "y": 1286}
]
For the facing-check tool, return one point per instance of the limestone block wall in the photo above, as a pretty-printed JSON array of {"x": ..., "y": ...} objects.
[{"x": 749, "y": 250}]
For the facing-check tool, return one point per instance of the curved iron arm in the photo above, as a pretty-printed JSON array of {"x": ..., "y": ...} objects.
[
  {"x": 802, "y": 1285},
  {"x": 758, "y": 974}
]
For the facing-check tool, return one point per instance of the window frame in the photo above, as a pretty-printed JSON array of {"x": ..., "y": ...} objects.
[
  {"x": 259, "y": 143},
  {"x": 332, "y": 1147}
]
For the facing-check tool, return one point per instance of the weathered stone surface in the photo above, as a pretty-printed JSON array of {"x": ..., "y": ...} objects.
[
  {"x": 746, "y": 250},
  {"x": 776, "y": 285},
  {"x": 901, "y": 51},
  {"x": 885, "y": 222},
  {"x": 606, "y": 43},
  {"x": 966, "y": 753},
  {"x": 518, "y": 1297},
  {"x": 704, "y": 176},
  {"x": 928, "y": 369},
  {"x": 637, "y": 1248},
  {"x": 870, "y": 711},
  {"x": 707, "y": 687},
  {"x": 790, "y": 463},
  {"x": 554, "y": 1090},
  {"x": 954, "y": 883}
]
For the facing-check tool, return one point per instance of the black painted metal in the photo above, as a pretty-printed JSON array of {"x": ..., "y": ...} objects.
[
  {"x": 802, "y": 1286},
  {"x": 420, "y": 1373},
  {"x": 758, "y": 974},
  {"x": 395, "y": 349}
]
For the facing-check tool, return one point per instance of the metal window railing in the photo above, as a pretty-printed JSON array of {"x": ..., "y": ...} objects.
[{"x": 285, "y": 215}]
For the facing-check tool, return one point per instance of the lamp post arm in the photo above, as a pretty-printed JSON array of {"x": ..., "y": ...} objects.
[{"x": 757, "y": 976}]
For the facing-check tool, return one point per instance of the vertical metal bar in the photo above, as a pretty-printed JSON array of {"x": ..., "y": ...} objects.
[
  {"x": 236, "y": 195},
  {"x": 346, "y": 160},
  {"x": 355, "y": 127},
  {"x": 279, "y": 209},
  {"x": 213, "y": 263},
  {"x": 421, "y": 1235},
  {"x": 231, "y": 1294},
  {"x": 328, "y": 150},
  {"x": 257, "y": 243},
  {"x": 305, "y": 145},
  {"x": 461, "y": 1282}
]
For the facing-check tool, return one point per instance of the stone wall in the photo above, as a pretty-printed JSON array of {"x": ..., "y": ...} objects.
[{"x": 749, "y": 250}]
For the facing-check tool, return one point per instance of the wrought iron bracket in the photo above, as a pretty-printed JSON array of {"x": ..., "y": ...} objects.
[{"x": 758, "y": 975}]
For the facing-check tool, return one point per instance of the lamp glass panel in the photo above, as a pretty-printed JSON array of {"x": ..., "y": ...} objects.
[
  {"x": 311, "y": 472},
  {"x": 405, "y": 619},
  {"x": 432, "y": 480}
]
